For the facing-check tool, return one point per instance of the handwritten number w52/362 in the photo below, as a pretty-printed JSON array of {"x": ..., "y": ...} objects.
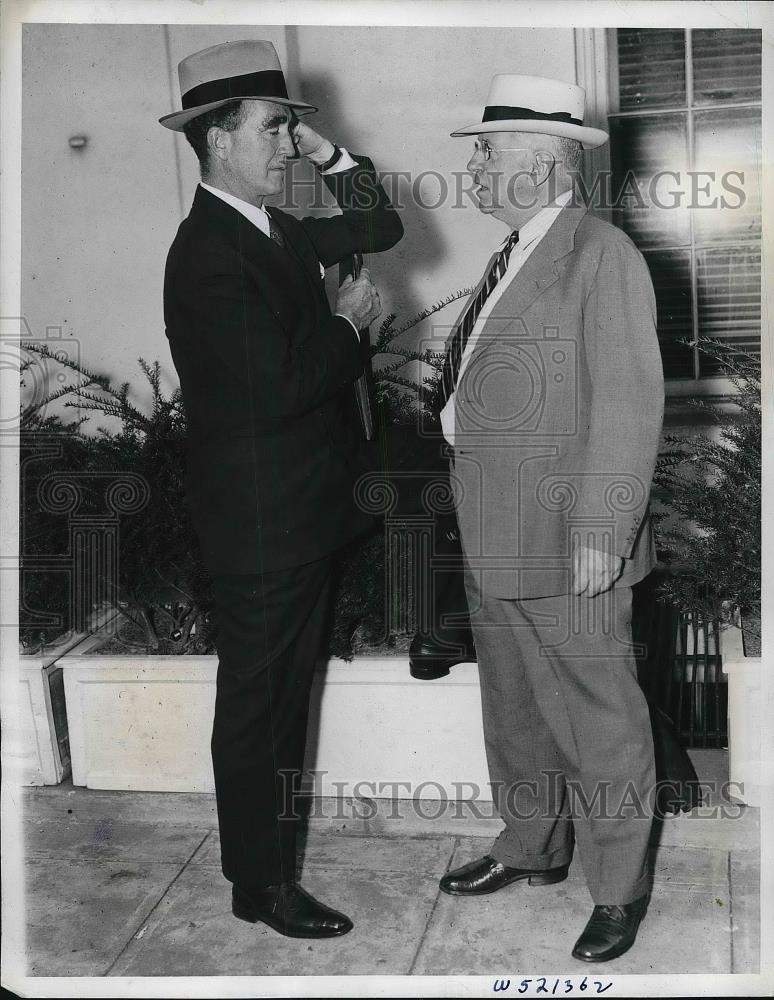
[{"x": 556, "y": 987}]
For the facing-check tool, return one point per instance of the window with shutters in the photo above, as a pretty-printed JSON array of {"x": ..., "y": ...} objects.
[{"x": 685, "y": 156}]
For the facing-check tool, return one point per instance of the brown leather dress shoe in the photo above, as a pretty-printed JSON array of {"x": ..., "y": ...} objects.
[
  {"x": 287, "y": 908},
  {"x": 487, "y": 875},
  {"x": 610, "y": 932}
]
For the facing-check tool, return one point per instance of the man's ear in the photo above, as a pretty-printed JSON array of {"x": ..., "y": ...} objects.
[
  {"x": 544, "y": 165},
  {"x": 218, "y": 142}
]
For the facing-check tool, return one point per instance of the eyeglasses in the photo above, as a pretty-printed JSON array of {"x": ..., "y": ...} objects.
[{"x": 483, "y": 147}]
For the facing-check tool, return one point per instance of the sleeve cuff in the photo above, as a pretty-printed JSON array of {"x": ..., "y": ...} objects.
[
  {"x": 350, "y": 323},
  {"x": 344, "y": 162}
]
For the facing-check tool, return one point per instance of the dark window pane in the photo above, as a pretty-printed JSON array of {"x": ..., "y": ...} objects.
[
  {"x": 726, "y": 65},
  {"x": 729, "y": 298},
  {"x": 645, "y": 153},
  {"x": 728, "y": 143},
  {"x": 671, "y": 274},
  {"x": 651, "y": 67}
]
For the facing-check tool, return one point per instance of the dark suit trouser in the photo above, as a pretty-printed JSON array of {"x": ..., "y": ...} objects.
[
  {"x": 568, "y": 735},
  {"x": 271, "y": 629}
]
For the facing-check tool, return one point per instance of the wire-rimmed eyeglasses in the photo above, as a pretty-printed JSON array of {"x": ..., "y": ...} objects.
[{"x": 483, "y": 147}]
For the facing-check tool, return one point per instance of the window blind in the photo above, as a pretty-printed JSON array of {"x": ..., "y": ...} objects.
[
  {"x": 689, "y": 102},
  {"x": 726, "y": 65},
  {"x": 651, "y": 68}
]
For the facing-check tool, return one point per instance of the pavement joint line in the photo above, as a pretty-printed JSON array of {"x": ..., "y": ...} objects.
[
  {"x": 431, "y": 914},
  {"x": 155, "y": 906}
]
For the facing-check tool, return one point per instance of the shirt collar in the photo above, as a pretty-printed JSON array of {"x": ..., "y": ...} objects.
[
  {"x": 258, "y": 216},
  {"x": 539, "y": 224}
]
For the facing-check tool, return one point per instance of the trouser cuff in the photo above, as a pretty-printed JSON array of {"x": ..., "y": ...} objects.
[
  {"x": 621, "y": 895},
  {"x": 535, "y": 862}
]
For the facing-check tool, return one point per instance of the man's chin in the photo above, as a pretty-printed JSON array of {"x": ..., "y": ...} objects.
[
  {"x": 271, "y": 189},
  {"x": 486, "y": 206}
]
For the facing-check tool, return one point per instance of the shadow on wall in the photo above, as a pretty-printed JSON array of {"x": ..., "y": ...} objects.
[{"x": 423, "y": 242}]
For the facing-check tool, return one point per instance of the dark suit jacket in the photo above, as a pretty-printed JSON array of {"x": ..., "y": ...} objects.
[{"x": 266, "y": 374}]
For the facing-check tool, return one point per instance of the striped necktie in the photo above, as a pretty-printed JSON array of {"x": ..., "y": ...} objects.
[{"x": 461, "y": 333}]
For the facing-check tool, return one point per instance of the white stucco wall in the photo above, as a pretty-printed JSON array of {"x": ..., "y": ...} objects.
[{"x": 97, "y": 221}]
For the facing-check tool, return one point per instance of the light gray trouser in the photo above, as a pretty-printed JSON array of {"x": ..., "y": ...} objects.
[{"x": 568, "y": 735}]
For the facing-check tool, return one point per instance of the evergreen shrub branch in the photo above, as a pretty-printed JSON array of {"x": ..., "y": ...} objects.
[
  {"x": 164, "y": 593},
  {"x": 710, "y": 487}
]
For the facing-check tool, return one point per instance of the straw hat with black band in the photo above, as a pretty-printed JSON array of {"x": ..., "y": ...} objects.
[
  {"x": 227, "y": 72},
  {"x": 536, "y": 104}
]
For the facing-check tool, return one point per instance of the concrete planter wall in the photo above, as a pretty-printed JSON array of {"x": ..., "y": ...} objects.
[
  {"x": 144, "y": 724},
  {"x": 749, "y": 704},
  {"x": 35, "y": 753},
  {"x": 36, "y": 737}
]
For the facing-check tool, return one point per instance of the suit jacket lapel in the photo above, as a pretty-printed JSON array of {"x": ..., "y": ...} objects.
[
  {"x": 301, "y": 250},
  {"x": 538, "y": 274},
  {"x": 243, "y": 235},
  {"x": 270, "y": 261}
]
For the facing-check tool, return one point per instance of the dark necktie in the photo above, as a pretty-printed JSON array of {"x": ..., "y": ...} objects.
[
  {"x": 461, "y": 333},
  {"x": 275, "y": 233}
]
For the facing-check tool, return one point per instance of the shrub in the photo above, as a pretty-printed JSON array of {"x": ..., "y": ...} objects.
[
  {"x": 713, "y": 486},
  {"x": 163, "y": 592}
]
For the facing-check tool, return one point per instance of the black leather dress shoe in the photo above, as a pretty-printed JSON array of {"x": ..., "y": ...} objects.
[
  {"x": 290, "y": 910},
  {"x": 430, "y": 659},
  {"x": 487, "y": 875},
  {"x": 610, "y": 932}
]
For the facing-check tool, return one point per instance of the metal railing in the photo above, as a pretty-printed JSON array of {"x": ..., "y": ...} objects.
[{"x": 680, "y": 668}]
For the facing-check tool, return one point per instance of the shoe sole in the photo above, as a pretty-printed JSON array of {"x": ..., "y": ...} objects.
[
  {"x": 250, "y": 917},
  {"x": 428, "y": 673},
  {"x": 430, "y": 670},
  {"x": 615, "y": 953},
  {"x": 535, "y": 879}
]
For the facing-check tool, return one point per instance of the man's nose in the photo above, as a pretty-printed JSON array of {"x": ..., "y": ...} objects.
[
  {"x": 287, "y": 146},
  {"x": 476, "y": 161}
]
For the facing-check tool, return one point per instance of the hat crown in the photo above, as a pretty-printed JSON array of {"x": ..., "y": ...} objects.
[
  {"x": 538, "y": 93},
  {"x": 229, "y": 59},
  {"x": 536, "y": 104},
  {"x": 248, "y": 69}
]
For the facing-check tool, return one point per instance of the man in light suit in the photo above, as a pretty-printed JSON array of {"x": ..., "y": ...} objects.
[
  {"x": 553, "y": 393},
  {"x": 266, "y": 371}
]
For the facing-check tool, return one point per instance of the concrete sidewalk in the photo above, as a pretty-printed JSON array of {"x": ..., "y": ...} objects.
[{"x": 127, "y": 883}]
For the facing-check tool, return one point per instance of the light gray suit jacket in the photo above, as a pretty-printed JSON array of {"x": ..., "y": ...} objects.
[{"x": 558, "y": 414}]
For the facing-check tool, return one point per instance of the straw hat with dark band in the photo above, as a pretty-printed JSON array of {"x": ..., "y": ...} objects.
[
  {"x": 227, "y": 72},
  {"x": 536, "y": 104}
]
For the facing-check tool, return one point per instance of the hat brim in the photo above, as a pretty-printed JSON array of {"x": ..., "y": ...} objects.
[
  {"x": 589, "y": 137},
  {"x": 179, "y": 119}
]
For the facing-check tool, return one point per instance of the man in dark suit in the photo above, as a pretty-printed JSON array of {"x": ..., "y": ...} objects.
[{"x": 266, "y": 370}]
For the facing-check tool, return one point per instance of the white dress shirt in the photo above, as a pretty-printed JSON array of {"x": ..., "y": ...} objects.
[
  {"x": 530, "y": 236},
  {"x": 260, "y": 217}
]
